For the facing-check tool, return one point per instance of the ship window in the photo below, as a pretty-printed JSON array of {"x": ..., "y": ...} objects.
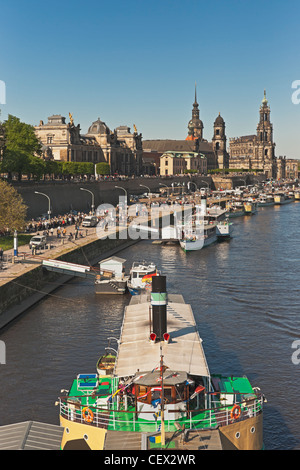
[
  {"x": 142, "y": 393},
  {"x": 252, "y": 430},
  {"x": 168, "y": 394},
  {"x": 237, "y": 435}
]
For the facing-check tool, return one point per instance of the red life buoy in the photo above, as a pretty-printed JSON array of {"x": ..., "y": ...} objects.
[
  {"x": 235, "y": 412},
  {"x": 87, "y": 415}
]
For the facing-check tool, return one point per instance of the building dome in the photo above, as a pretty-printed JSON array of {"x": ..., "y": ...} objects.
[
  {"x": 98, "y": 127},
  {"x": 219, "y": 121}
]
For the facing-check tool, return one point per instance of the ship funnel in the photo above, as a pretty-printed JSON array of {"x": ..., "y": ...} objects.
[
  {"x": 159, "y": 307},
  {"x": 203, "y": 205}
]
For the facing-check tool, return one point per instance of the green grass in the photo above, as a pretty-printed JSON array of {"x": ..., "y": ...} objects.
[{"x": 7, "y": 242}]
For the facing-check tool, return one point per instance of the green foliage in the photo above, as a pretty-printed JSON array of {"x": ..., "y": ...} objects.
[
  {"x": 21, "y": 145},
  {"x": 77, "y": 168},
  {"x": 103, "y": 168},
  {"x": 12, "y": 208}
]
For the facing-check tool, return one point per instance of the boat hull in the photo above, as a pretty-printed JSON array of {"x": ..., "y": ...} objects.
[
  {"x": 283, "y": 201},
  {"x": 243, "y": 435},
  {"x": 240, "y": 435},
  {"x": 197, "y": 244},
  {"x": 111, "y": 287},
  {"x": 224, "y": 230},
  {"x": 238, "y": 213}
]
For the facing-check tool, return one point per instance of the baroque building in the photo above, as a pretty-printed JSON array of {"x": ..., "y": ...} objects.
[
  {"x": 175, "y": 163},
  {"x": 257, "y": 151},
  {"x": 215, "y": 151},
  {"x": 64, "y": 142}
]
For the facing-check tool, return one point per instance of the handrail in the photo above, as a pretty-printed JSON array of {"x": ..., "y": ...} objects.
[{"x": 212, "y": 418}]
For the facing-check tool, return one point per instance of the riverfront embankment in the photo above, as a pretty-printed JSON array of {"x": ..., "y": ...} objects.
[
  {"x": 26, "y": 282},
  {"x": 66, "y": 195}
]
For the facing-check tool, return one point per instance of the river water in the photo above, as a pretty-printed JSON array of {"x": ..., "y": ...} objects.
[{"x": 245, "y": 297}]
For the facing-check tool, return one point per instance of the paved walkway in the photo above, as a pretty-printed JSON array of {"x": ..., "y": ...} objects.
[{"x": 26, "y": 261}]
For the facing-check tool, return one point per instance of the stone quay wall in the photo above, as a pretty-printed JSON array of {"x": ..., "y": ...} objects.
[
  {"x": 66, "y": 196},
  {"x": 24, "y": 291}
]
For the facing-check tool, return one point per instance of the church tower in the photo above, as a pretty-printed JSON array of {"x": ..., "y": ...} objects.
[
  {"x": 219, "y": 142},
  {"x": 195, "y": 125},
  {"x": 265, "y": 151}
]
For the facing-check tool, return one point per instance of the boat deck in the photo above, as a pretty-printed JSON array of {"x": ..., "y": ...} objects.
[
  {"x": 183, "y": 352},
  {"x": 177, "y": 440}
]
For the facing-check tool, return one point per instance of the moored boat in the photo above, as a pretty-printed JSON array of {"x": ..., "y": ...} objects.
[
  {"x": 235, "y": 209},
  {"x": 265, "y": 200},
  {"x": 282, "y": 198},
  {"x": 250, "y": 207},
  {"x": 106, "y": 364},
  {"x": 161, "y": 384},
  {"x": 140, "y": 277},
  {"x": 111, "y": 279},
  {"x": 297, "y": 195},
  {"x": 224, "y": 228}
]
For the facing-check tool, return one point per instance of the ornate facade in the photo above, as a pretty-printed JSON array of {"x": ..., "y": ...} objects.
[
  {"x": 175, "y": 163},
  {"x": 214, "y": 151},
  {"x": 64, "y": 141},
  {"x": 220, "y": 157},
  {"x": 257, "y": 151}
]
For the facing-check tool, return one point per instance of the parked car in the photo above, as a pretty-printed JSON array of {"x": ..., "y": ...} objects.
[
  {"x": 90, "y": 221},
  {"x": 38, "y": 241}
]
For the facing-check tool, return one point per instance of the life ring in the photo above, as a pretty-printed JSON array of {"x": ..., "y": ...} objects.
[
  {"x": 87, "y": 415},
  {"x": 235, "y": 412}
]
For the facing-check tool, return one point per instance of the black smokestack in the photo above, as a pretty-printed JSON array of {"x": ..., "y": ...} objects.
[{"x": 159, "y": 306}]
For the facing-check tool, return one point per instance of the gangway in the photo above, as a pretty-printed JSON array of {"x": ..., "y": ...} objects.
[{"x": 71, "y": 269}]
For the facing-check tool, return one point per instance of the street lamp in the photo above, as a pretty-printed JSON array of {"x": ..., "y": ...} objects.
[
  {"x": 192, "y": 182},
  {"x": 145, "y": 187},
  {"x": 120, "y": 187},
  {"x": 93, "y": 199},
  {"x": 162, "y": 184},
  {"x": 49, "y": 204},
  {"x": 202, "y": 181}
]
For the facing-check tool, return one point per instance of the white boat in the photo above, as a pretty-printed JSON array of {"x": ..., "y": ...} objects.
[
  {"x": 220, "y": 216},
  {"x": 265, "y": 200},
  {"x": 236, "y": 209},
  {"x": 140, "y": 277},
  {"x": 196, "y": 233}
]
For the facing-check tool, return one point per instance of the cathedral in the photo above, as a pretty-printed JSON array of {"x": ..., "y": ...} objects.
[
  {"x": 257, "y": 151},
  {"x": 214, "y": 151},
  {"x": 218, "y": 143}
]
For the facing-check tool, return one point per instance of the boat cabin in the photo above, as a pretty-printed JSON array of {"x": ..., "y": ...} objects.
[{"x": 112, "y": 267}]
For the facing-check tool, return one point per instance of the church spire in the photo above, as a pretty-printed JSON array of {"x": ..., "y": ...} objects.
[
  {"x": 264, "y": 101},
  {"x": 195, "y": 93}
]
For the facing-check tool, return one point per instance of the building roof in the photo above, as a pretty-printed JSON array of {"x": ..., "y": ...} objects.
[
  {"x": 177, "y": 145},
  {"x": 243, "y": 138},
  {"x": 184, "y": 352},
  {"x": 219, "y": 121},
  {"x": 98, "y": 127},
  {"x": 30, "y": 435}
]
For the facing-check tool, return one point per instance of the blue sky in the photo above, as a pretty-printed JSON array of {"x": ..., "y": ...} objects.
[{"x": 136, "y": 62}]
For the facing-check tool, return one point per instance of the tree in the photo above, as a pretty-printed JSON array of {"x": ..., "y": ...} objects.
[
  {"x": 103, "y": 168},
  {"x": 20, "y": 146},
  {"x": 12, "y": 208}
]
